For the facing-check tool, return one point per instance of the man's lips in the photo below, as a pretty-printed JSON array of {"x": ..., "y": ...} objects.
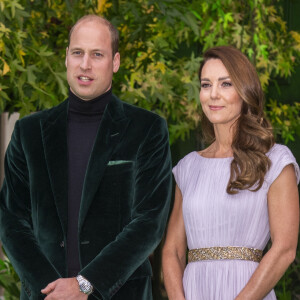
[
  {"x": 84, "y": 80},
  {"x": 215, "y": 107}
]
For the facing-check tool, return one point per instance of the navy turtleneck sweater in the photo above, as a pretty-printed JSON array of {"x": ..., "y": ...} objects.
[{"x": 83, "y": 122}]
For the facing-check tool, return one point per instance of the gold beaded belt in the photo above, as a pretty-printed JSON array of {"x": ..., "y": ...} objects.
[{"x": 216, "y": 253}]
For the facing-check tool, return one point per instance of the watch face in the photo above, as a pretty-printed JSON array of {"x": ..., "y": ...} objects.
[{"x": 84, "y": 285}]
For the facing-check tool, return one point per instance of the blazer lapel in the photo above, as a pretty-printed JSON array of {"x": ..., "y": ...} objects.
[
  {"x": 111, "y": 130},
  {"x": 54, "y": 135}
]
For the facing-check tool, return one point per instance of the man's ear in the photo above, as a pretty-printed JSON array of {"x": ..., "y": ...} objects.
[
  {"x": 66, "y": 63},
  {"x": 116, "y": 62}
]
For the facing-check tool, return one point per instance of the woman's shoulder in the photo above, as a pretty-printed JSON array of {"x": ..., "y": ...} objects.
[
  {"x": 185, "y": 162},
  {"x": 181, "y": 169},
  {"x": 281, "y": 156},
  {"x": 278, "y": 150},
  {"x": 187, "y": 158}
]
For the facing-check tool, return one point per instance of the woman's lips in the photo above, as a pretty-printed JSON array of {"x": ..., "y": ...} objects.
[{"x": 215, "y": 107}]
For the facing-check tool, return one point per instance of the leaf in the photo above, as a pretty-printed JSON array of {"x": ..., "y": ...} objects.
[
  {"x": 21, "y": 54},
  {"x": 15, "y": 64},
  {"x": 4, "y": 29},
  {"x": 30, "y": 74},
  {"x": 296, "y": 37},
  {"x": 227, "y": 19},
  {"x": 1, "y": 5},
  {"x": 42, "y": 51},
  {"x": 14, "y": 5},
  {"x": 196, "y": 15},
  {"x": 103, "y": 6},
  {"x": 61, "y": 80},
  {"x": 6, "y": 69}
]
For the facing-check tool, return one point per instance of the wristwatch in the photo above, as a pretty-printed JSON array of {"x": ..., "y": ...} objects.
[{"x": 84, "y": 285}]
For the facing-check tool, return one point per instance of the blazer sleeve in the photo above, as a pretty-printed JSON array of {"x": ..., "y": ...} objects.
[
  {"x": 112, "y": 267},
  {"x": 16, "y": 233}
]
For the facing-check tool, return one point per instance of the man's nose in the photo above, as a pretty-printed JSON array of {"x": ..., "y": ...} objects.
[{"x": 85, "y": 62}]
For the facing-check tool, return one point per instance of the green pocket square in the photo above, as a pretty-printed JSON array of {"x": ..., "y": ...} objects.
[{"x": 118, "y": 162}]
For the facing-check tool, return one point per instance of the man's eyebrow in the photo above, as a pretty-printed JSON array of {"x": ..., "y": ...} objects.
[
  {"x": 79, "y": 48},
  {"x": 75, "y": 48}
]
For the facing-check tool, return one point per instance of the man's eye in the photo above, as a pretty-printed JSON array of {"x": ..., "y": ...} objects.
[
  {"x": 76, "y": 52},
  {"x": 97, "y": 54}
]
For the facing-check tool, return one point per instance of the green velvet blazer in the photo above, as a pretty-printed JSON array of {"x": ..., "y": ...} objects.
[{"x": 124, "y": 206}]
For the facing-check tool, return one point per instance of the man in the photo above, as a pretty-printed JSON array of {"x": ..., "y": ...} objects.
[{"x": 87, "y": 184}]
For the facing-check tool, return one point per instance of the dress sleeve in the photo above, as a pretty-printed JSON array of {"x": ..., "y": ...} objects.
[
  {"x": 280, "y": 157},
  {"x": 176, "y": 172},
  {"x": 179, "y": 172}
]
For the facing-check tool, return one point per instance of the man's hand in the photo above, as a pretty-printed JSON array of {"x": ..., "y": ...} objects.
[{"x": 64, "y": 289}]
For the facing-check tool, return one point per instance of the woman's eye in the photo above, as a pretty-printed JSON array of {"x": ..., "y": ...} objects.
[
  {"x": 227, "y": 83},
  {"x": 204, "y": 85}
]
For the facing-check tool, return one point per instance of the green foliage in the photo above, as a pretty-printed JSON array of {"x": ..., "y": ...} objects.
[
  {"x": 161, "y": 46},
  {"x": 33, "y": 39},
  {"x": 163, "y": 41},
  {"x": 285, "y": 119},
  {"x": 158, "y": 75},
  {"x": 29, "y": 81},
  {"x": 9, "y": 280},
  {"x": 255, "y": 27}
]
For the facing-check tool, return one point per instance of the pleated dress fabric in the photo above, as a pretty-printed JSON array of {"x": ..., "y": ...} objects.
[{"x": 214, "y": 218}]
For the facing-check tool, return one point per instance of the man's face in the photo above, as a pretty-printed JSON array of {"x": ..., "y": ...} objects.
[{"x": 89, "y": 62}]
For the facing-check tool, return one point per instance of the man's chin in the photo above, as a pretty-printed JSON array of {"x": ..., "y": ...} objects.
[{"x": 84, "y": 96}]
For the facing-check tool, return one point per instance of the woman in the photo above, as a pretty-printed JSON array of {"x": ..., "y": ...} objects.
[{"x": 233, "y": 196}]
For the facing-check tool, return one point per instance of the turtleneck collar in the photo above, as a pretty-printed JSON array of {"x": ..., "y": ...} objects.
[{"x": 95, "y": 106}]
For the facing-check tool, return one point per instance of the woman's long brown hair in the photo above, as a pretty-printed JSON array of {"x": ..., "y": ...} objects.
[{"x": 253, "y": 136}]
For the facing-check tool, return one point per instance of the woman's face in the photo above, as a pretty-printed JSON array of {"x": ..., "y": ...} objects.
[{"x": 219, "y": 99}]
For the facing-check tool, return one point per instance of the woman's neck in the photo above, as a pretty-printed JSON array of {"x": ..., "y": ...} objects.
[{"x": 222, "y": 146}]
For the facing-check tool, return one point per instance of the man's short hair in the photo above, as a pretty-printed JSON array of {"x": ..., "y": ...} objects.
[{"x": 114, "y": 34}]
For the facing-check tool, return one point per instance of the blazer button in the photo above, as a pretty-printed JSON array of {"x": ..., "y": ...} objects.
[{"x": 62, "y": 244}]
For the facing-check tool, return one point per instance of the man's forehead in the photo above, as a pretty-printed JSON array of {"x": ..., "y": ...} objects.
[
  {"x": 93, "y": 23},
  {"x": 79, "y": 32}
]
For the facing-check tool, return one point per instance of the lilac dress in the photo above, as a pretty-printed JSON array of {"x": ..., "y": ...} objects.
[{"x": 214, "y": 218}]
